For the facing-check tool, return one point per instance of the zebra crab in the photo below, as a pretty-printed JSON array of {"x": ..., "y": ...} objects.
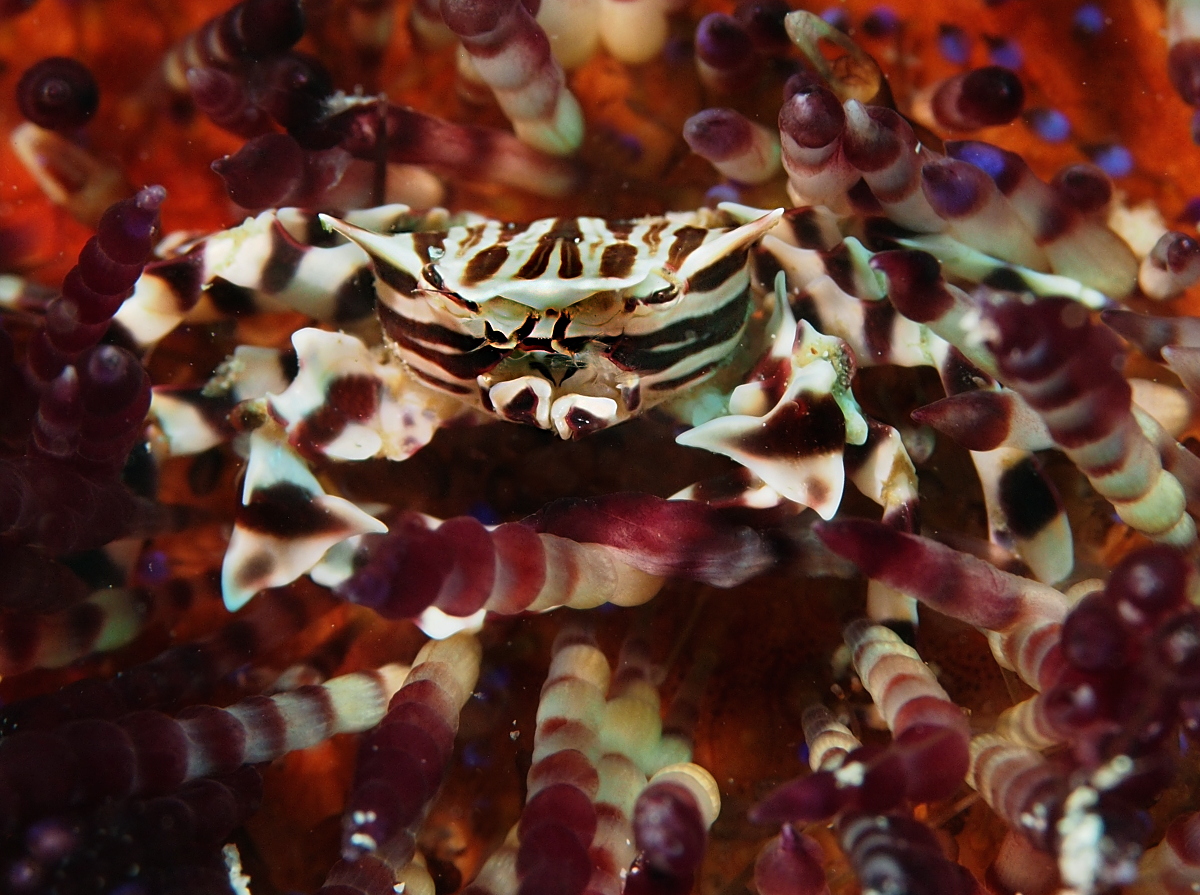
[{"x": 568, "y": 324}]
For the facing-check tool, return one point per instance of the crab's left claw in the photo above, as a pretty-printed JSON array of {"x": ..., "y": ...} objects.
[{"x": 286, "y": 522}]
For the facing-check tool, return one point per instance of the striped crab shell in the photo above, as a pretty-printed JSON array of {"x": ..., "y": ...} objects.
[{"x": 570, "y": 324}]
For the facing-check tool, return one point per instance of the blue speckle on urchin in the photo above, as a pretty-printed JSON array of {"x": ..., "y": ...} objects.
[
  {"x": 1005, "y": 52},
  {"x": 881, "y": 22},
  {"x": 954, "y": 44},
  {"x": 1089, "y": 20},
  {"x": 838, "y": 18},
  {"x": 1112, "y": 158},
  {"x": 722, "y": 192},
  {"x": 1049, "y": 124}
]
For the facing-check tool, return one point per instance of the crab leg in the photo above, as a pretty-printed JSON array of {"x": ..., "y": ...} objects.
[
  {"x": 931, "y": 312},
  {"x": 278, "y": 261}
]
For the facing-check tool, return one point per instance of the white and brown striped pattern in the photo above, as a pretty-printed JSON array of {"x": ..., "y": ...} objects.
[{"x": 573, "y": 324}]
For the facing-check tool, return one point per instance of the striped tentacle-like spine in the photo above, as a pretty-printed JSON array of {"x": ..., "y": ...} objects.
[
  {"x": 629, "y": 734},
  {"x": 1076, "y": 245},
  {"x": 896, "y": 853},
  {"x": 559, "y": 822},
  {"x": 632, "y": 745},
  {"x": 882, "y": 147},
  {"x": 181, "y": 674},
  {"x": 926, "y": 760},
  {"x": 251, "y": 29},
  {"x": 1022, "y": 618},
  {"x": 462, "y": 150},
  {"x": 568, "y": 554},
  {"x": 829, "y": 741},
  {"x": 1040, "y": 533},
  {"x": 725, "y": 55},
  {"x": 739, "y": 149},
  {"x": 1020, "y": 785},
  {"x": 1095, "y": 838},
  {"x": 670, "y": 828},
  {"x": 150, "y": 753},
  {"x": 1066, "y": 367},
  {"x": 511, "y": 53},
  {"x": 812, "y": 126},
  {"x": 402, "y": 762},
  {"x": 106, "y": 620}
]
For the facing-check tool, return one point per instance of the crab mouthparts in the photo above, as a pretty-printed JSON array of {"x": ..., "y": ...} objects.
[{"x": 573, "y": 396}]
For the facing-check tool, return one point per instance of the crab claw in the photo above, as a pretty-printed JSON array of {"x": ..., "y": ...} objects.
[
  {"x": 285, "y": 524},
  {"x": 796, "y": 447}
]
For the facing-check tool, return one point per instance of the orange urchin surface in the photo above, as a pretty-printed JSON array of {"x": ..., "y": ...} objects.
[{"x": 771, "y": 643}]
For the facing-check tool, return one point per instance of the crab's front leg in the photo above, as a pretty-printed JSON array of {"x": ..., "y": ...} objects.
[
  {"x": 842, "y": 285},
  {"x": 798, "y": 430},
  {"x": 346, "y": 402},
  {"x": 280, "y": 260}
]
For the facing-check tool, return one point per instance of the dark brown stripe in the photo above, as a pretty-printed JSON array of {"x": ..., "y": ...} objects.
[
  {"x": 285, "y": 510},
  {"x": 423, "y": 242},
  {"x": 805, "y": 228},
  {"x": 561, "y": 325},
  {"x": 434, "y": 382},
  {"x": 400, "y": 280},
  {"x": 687, "y": 240},
  {"x": 538, "y": 261},
  {"x": 766, "y": 266},
  {"x": 355, "y": 298},
  {"x": 282, "y": 263},
  {"x": 464, "y": 367},
  {"x": 570, "y": 265},
  {"x": 316, "y": 236},
  {"x": 1027, "y": 498},
  {"x": 617, "y": 260},
  {"x": 182, "y": 275},
  {"x": 879, "y": 319},
  {"x": 230, "y": 298},
  {"x": 474, "y": 235},
  {"x": 700, "y": 372},
  {"x": 839, "y": 268},
  {"x": 484, "y": 264},
  {"x": 397, "y": 326},
  {"x": 811, "y": 425},
  {"x": 709, "y": 278},
  {"x": 620, "y": 229},
  {"x": 653, "y": 236},
  {"x": 694, "y": 335}
]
